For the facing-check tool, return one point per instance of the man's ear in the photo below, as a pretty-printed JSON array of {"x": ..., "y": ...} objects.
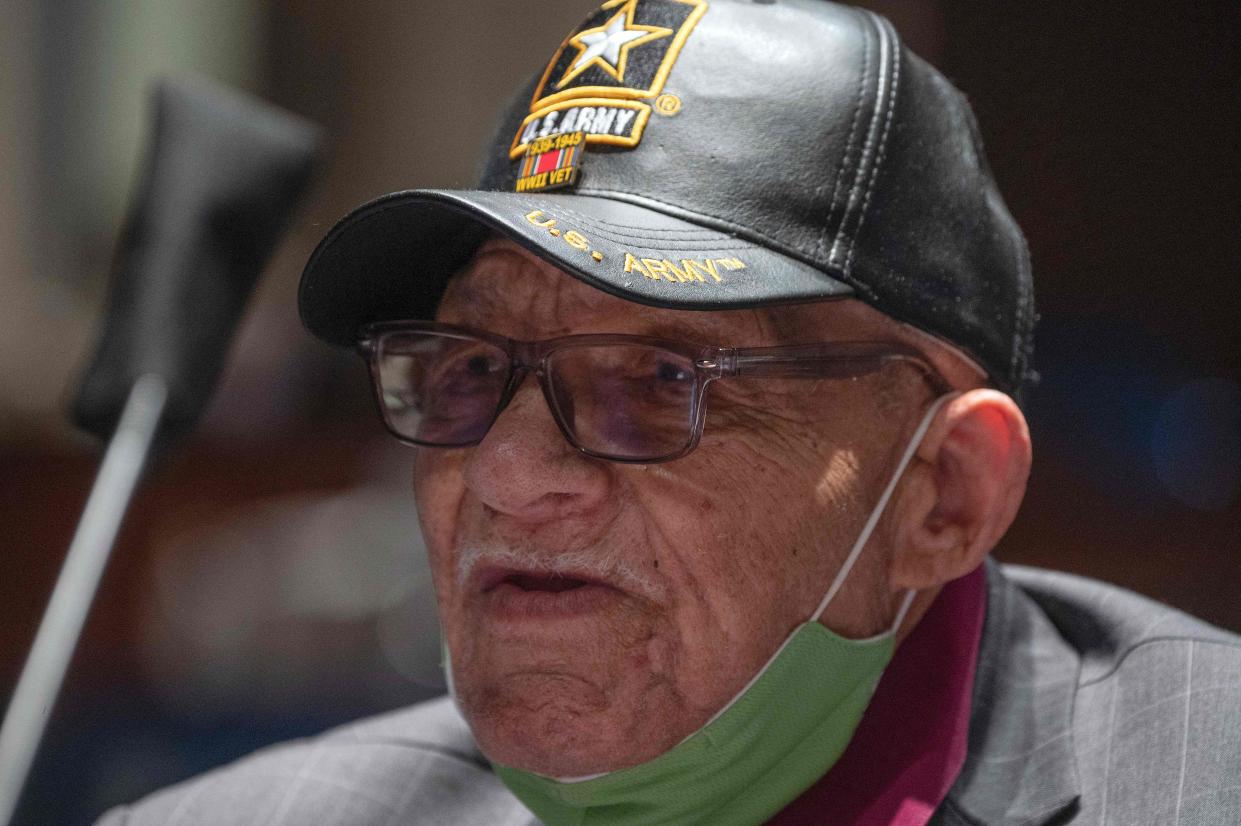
[{"x": 962, "y": 491}]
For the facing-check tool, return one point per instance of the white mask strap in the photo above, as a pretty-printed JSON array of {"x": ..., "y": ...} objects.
[
  {"x": 914, "y": 443},
  {"x": 903, "y": 610}
]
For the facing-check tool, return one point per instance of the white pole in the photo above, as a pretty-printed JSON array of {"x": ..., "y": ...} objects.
[{"x": 66, "y": 613}]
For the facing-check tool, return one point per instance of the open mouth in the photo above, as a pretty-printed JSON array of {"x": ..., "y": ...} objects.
[
  {"x": 491, "y": 578},
  {"x": 513, "y": 594},
  {"x": 554, "y": 583}
]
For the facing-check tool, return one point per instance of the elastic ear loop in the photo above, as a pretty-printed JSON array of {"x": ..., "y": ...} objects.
[{"x": 915, "y": 442}]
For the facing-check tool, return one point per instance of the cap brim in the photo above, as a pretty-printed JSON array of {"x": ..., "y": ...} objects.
[{"x": 391, "y": 258}]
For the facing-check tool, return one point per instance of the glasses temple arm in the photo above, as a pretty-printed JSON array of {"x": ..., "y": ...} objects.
[{"x": 809, "y": 365}]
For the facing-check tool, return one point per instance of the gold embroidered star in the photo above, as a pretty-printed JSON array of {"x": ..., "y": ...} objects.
[{"x": 608, "y": 46}]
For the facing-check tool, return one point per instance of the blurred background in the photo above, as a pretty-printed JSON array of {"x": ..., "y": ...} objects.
[{"x": 269, "y": 581}]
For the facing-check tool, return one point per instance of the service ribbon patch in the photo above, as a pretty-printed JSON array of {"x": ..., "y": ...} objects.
[{"x": 552, "y": 162}]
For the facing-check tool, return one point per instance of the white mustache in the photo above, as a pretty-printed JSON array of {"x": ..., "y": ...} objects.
[{"x": 606, "y": 566}]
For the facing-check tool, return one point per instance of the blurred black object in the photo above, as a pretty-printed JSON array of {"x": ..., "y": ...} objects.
[{"x": 223, "y": 174}]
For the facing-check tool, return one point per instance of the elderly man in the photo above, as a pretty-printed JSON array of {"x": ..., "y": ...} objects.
[{"x": 714, "y": 386}]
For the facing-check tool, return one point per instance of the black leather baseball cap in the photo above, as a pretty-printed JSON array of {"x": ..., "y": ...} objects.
[{"x": 715, "y": 154}]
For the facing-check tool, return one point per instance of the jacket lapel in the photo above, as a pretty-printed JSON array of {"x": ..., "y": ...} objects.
[{"x": 1020, "y": 767}]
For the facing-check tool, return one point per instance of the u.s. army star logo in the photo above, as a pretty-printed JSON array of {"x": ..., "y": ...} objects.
[
  {"x": 601, "y": 79},
  {"x": 608, "y": 46}
]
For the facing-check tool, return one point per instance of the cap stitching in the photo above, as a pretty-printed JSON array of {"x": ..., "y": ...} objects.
[
  {"x": 638, "y": 197},
  {"x": 834, "y": 206},
  {"x": 865, "y": 163},
  {"x": 607, "y": 231},
  {"x": 690, "y": 234},
  {"x": 767, "y": 241},
  {"x": 889, "y": 36},
  {"x": 637, "y": 244},
  {"x": 745, "y": 233},
  {"x": 644, "y": 244},
  {"x": 559, "y": 209},
  {"x": 647, "y": 232},
  {"x": 1024, "y": 321}
]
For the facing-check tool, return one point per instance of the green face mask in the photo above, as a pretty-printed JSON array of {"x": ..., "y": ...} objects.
[{"x": 774, "y": 740}]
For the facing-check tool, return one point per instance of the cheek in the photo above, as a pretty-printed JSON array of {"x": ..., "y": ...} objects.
[
  {"x": 749, "y": 529},
  {"x": 439, "y": 491},
  {"x": 791, "y": 494}
]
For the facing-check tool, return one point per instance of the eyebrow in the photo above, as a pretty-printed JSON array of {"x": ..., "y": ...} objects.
[{"x": 480, "y": 302}]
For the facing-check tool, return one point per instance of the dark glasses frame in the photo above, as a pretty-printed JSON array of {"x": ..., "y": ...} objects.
[{"x": 847, "y": 359}]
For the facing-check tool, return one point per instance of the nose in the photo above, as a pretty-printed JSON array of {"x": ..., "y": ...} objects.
[{"x": 526, "y": 469}]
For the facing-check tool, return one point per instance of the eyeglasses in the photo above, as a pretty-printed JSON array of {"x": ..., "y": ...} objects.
[{"x": 623, "y": 398}]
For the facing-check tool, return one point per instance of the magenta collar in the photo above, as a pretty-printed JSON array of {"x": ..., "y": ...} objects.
[{"x": 911, "y": 743}]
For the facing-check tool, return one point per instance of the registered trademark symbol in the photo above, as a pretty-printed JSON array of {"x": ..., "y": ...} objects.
[{"x": 667, "y": 105}]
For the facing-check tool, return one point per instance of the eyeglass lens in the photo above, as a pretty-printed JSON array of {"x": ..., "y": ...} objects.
[
  {"x": 439, "y": 389},
  {"x": 620, "y": 400}
]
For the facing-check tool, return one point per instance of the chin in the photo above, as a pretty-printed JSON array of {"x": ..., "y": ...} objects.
[{"x": 556, "y": 733}]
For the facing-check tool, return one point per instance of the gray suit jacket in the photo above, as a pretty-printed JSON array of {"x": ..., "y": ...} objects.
[{"x": 1091, "y": 705}]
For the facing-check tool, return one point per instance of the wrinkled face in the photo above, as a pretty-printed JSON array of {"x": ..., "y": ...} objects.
[{"x": 598, "y": 613}]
